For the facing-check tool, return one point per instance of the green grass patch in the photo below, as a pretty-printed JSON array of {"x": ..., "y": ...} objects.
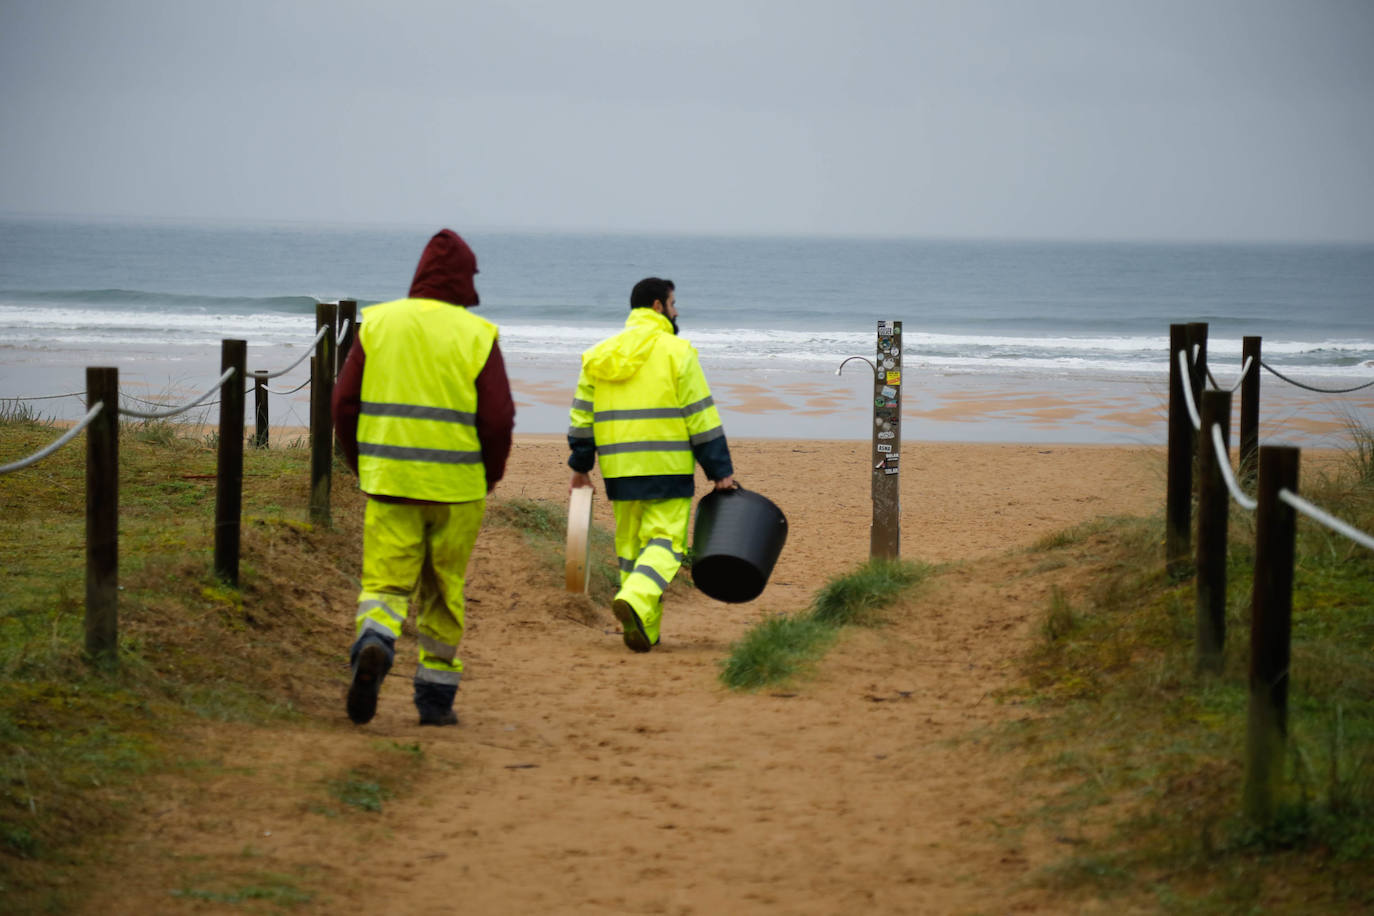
[
  {"x": 775, "y": 651},
  {"x": 76, "y": 738},
  {"x": 785, "y": 647},
  {"x": 855, "y": 598},
  {"x": 252, "y": 891},
  {"x": 1150, "y": 754}
]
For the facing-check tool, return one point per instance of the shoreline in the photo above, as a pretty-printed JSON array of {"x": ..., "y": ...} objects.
[{"x": 765, "y": 402}]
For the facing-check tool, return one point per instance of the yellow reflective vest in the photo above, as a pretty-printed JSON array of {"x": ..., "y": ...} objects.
[
  {"x": 643, "y": 399},
  {"x": 417, "y": 433}
]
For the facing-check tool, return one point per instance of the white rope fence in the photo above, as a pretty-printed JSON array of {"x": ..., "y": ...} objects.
[
  {"x": 66, "y": 437},
  {"x": 1317, "y": 514},
  {"x": 1224, "y": 464},
  {"x": 94, "y": 411},
  {"x": 1245, "y": 368},
  {"x": 343, "y": 329},
  {"x": 1313, "y": 512}
]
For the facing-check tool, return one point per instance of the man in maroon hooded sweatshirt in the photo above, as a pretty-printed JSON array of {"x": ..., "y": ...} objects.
[{"x": 423, "y": 415}]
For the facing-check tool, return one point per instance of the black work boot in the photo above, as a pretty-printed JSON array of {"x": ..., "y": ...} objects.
[
  {"x": 435, "y": 703},
  {"x": 631, "y": 627},
  {"x": 371, "y": 657}
]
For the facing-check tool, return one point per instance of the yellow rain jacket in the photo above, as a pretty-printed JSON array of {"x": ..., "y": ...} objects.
[{"x": 644, "y": 409}]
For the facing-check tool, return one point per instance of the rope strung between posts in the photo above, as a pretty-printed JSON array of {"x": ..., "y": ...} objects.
[
  {"x": 343, "y": 329},
  {"x": 1330, "y": 521},
  {"x": 163, "y": 414},
  {"x": 1310, "y": 387},
  {"x": 1244, "y": 370},
  {"x": 48, "y": 397},
  {"x": 288, "y": 390},
  {"x": 66, "y": 437},
  {"x": 1224, "y": 463},
  {"x": 1188, "y": 389}
]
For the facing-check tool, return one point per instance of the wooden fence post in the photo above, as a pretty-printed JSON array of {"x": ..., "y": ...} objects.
[
  {"x": 1249, "y": 408},
  {"x": 321, "y": 414},
  {"x": 1178, "y": 504},
  {"x": 885, "y": 533},
  {"x": 260, "y": 408},
  {"x": 102, "y": 517},
  {"x": 229, "y": 476},
  {"x": 1213, "y": 510},
  {"x": 1271, "y": 612}
]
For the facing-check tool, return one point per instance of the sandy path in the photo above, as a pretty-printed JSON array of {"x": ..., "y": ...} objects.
[{"x": 586, "y": 779}]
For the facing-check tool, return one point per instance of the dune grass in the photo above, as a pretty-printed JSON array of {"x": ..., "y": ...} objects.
[
  {"x": 1151, "y": 754},
  {"x": 76, "y": 738},
  {"x": 785, "y": 647}
]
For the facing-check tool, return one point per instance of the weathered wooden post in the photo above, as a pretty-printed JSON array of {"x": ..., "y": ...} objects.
[
  {"x": 102, "y": 516},
  {"x": 1249, "y": 408},
  {"x": 1178, "y": 504},
  {"x": 348, "y": 312},
  {"x": 229, "y": 476},
  {"x": 885, "y": 536},
  {"x": 1271, "y": 613},
  {"x": 260, "y": 408},
  {"x": 1213, "y": 511},
  {"x": 321, "y": 414}
]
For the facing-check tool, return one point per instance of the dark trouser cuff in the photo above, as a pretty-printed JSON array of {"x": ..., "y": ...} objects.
[{"x": 434, "y": 698}]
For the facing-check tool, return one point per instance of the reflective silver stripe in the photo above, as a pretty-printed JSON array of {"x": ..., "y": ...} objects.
[
  {"x": 626, "y": 565},
  {"x": 373, "y": 626},
  {"x": 698, "y": 406},
  {"x": 707, "y": 436},
  {"x": 666, "y": 545},
  {"x": 403, "y": 453},
  {"x": 440, "y": 649},
  {"x": 580, "y": 432},
  {"x": 619, "y": 448},
  {"x": 374, "y": 603},
  {"x": 652, "y": 574},
  {"x": 425, "y": 675},
  {"x": 639, "y": 413},
  {"x": 418, "y": 412},
  {"x": 579, "y": 404}
]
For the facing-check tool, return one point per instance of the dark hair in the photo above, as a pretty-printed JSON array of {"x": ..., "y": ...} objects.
[{"x": 650, "y": 290}]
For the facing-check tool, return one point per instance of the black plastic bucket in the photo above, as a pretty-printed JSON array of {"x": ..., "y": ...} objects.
[{"x": 736, "y": 539}]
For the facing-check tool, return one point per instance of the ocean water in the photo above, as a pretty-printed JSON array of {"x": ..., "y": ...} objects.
[{"x": 771, "y": 309}]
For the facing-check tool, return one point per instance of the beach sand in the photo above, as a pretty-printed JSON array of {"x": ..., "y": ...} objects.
[{"x": 588, "y": 779}]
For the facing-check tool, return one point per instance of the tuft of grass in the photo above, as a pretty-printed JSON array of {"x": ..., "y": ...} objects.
[
  {"x": 14, "y": 412},
  {"x": 359, "y": 790},
  {"x": 783, "y": 647},
  {"x": 265, "y": 887},
  {"x": 854, "y": 598},
  {"x": 775, "y": 651}
]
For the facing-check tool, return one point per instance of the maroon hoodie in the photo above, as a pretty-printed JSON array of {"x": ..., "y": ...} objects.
[{"x": 445, "y": 273}]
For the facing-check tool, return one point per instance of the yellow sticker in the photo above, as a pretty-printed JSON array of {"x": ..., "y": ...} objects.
[{"x": 894, "y": 377}]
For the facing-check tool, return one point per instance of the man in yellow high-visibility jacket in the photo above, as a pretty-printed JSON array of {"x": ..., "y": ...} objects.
[
  {"x": 423, "y": 414},
  {"x": 644, "y": 409}
]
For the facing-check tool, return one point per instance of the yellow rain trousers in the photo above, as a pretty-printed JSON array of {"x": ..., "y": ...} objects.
[
  {"x": 650, "y": 541},
  {"x": 419, "y": 550}
]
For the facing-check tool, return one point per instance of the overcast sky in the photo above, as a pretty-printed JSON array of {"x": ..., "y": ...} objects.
[{"x": 1085, "y": 119}]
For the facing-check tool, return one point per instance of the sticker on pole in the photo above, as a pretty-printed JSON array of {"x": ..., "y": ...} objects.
[{"x": 577, "y": 567}]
